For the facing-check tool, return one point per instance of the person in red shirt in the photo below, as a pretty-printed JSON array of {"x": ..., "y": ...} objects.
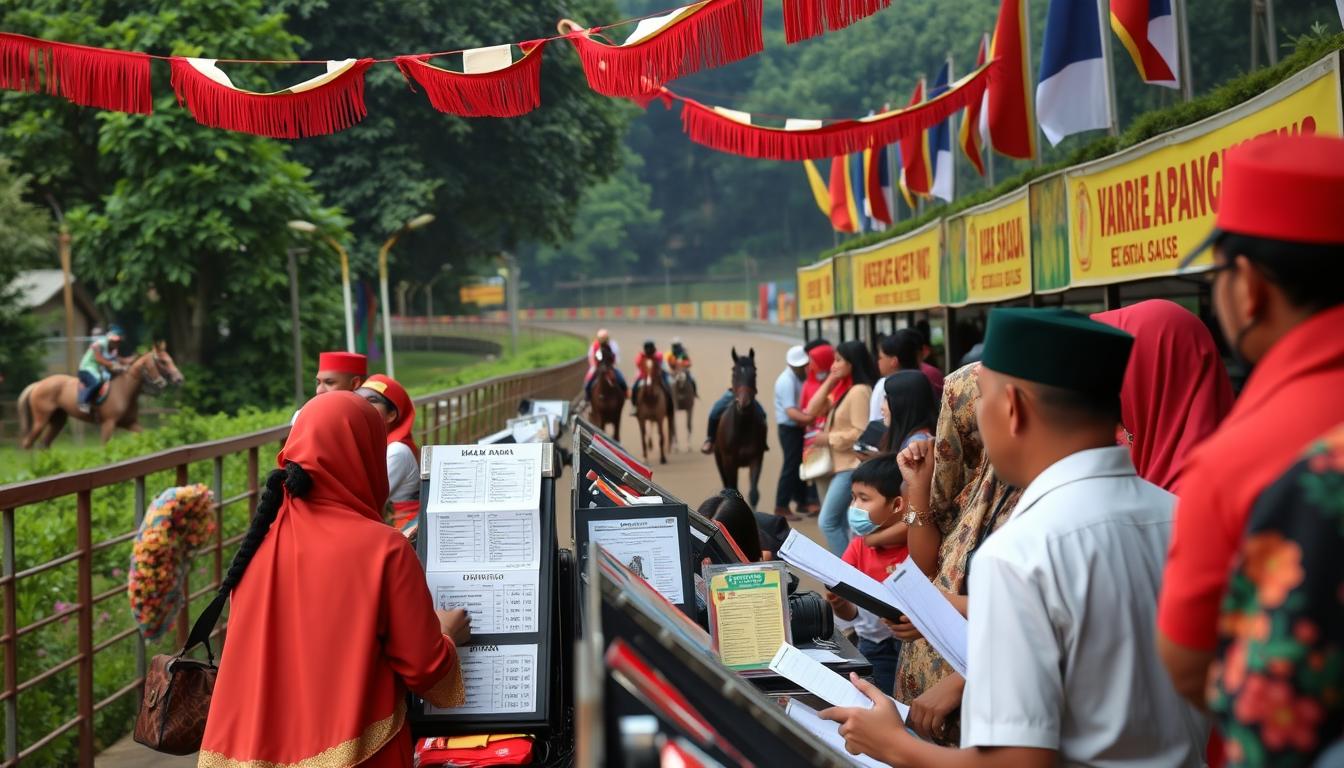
[
  {"x": 1278, "y": 291},
  {"x": 650, "y": 352},
  {"x": 877, "y": 504}
]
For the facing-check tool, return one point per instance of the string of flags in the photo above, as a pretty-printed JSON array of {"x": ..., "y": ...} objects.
[
  {"x": 1073, "y": 93},
  {"x": 496, "y": 81}
]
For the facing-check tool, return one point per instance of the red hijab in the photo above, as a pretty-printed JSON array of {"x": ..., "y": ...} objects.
[
  {"x": 1176, "y": 390},
  {"x": 400, "y": 430},
  {"x": 332, "y": 621},
  {"x": 822, "y": 358}
]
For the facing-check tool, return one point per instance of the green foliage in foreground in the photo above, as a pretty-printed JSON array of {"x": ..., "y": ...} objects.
[
  {"x": 1310, "y": 49},
  {"x": 46, "y": 531}
]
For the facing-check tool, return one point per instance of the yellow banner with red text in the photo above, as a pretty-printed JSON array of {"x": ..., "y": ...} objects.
[
  {"x": 899, "y": 275},
  {"x": 1136, "y": 214},
  {"x": 816, "y": 290}
]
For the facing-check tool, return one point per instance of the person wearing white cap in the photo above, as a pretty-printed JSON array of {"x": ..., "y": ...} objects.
[{"x": 791, "y": 423}]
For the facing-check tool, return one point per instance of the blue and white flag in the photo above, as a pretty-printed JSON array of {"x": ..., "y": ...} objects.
[
  {"x": 1073, "y": 92},
  {"x": 940, "y": 141}
]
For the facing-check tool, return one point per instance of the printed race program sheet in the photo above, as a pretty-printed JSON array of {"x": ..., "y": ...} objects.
[
  {"x": 483, "y": 508},
  {"x": 649, "y": 547},
  {"x": 498, "y": 678},
  {"x": 499, "y": 602}
]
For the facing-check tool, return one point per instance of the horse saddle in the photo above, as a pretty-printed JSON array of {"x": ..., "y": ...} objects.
[{"x": 103, "y": 389}]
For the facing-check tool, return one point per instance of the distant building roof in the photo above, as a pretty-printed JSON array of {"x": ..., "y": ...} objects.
[{"x": 37, "y": 286}]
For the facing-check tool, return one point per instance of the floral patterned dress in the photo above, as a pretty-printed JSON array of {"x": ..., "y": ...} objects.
[
  {"x": 1278, "y": 688},
  {"x": 967, "y": 503}
]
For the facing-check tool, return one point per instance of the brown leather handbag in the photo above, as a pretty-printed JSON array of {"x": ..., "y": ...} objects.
[{"x": 177, "y": 691}]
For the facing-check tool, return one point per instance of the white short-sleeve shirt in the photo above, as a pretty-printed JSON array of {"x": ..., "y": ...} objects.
[
  {"x": 875, "y": 402},
  {"x": 1063, "y": 609},
  {"x": 403, "y": 473}
]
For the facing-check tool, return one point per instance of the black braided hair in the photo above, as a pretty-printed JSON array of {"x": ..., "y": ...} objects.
[{"x": 293, "y": 479}]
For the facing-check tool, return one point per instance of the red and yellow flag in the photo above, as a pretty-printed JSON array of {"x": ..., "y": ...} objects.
[
  {"x": 916, "y": 163},
  {"x": 970, "y": 121},
  {"x": 1009, "y": 110}
]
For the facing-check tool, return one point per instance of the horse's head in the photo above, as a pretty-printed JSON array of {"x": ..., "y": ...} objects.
[
  {"x": 164, "y": 362},
  {"x": 744, "y": 379},
  {"x": 156, "y": 369}
]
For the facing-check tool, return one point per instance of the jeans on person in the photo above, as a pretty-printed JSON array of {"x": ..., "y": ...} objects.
[
  {"x": 790, "y": 487},
  {"x": 883, "y": 656},
  {"x": 88, "y": 386},
  {"x": 834, "y": 520},
  {"x": 717, "y": 410}
]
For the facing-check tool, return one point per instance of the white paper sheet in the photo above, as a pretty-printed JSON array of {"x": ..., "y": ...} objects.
[
  {"x": 530, "y": 429},
  {"x": 479, "y": 541},
  {"x": 827, "y": 731},
  {"x": 825, "y": 684},
  {"x": 650, "y": 547},
  {"x": 499, "y": 602},
  {"x": 811, "y": 558},
  {"x": 822, "y": 655},
  {"x": 498, "y": 678},
  {"x": 474, "y": 478},
  {"x": 931, "y": 613}
]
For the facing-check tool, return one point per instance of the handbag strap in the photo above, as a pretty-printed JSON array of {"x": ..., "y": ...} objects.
[{"x": 205, "y": 624}]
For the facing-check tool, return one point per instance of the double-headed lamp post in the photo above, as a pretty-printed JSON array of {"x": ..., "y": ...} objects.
[
  {"x": 415, "y": 223},
  {"x": 307, "y": 227}
]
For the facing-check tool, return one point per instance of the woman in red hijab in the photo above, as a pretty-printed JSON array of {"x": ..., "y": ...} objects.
[
  {"x": 1176, "y": 389},
  {"x": 331, "y": 621},
  {"x": 403, "y": 457}
]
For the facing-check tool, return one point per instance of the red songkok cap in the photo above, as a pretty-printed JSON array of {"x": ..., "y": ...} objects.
[
  {"x": 1282, "y": 188},
  {"x": 352, "y": 363}
]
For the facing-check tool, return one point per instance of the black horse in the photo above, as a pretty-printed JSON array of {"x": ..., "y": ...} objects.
[{"x": 740, "y": 438}]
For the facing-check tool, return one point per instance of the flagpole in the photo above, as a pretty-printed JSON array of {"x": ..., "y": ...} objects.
[
  {"x": 1031, "y": 92},
  {"x": 1183, "y": 57},
  {"x": 1103, "y": 16},
  {"x": 952, "y": 131}
]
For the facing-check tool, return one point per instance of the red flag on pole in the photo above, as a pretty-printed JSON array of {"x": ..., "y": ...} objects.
[{"x": 1009, "y": 110}]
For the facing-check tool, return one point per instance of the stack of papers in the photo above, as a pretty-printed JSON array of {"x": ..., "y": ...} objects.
[
  {"x": 816, "y": 679},
  {"x": 827, "y": 731},
  {"x": 907, "y": 591}
]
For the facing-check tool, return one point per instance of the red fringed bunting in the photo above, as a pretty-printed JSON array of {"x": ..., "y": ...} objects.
[
  {"x": 717, "y": 131},
  {"x": 809, "y": 18},
  {"x": 326, "y": 108},
  {"x": 709, "y": 34},
  {"x": 90, "y": 77},
  {"x": 509, "y": 92}
]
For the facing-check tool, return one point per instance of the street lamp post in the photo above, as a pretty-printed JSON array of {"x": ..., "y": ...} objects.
[
  {"x": 415, "y": 223},
  {"x": 308, "y": 227}
]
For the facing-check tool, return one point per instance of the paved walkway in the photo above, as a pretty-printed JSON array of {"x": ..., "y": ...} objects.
[{"x": 688, "y": 474}]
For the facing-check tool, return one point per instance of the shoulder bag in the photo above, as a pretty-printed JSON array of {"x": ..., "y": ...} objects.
[{"x": 177, "y": 691}]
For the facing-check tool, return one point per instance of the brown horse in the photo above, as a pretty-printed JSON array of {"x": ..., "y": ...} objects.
[
  {"x": 653, "y": 405},
  {"x": 607, "y": 399},
  {"x": 46, "y": 404},
  {"x": 683, "y": 399},
  {"x": 740, "y": 438}
]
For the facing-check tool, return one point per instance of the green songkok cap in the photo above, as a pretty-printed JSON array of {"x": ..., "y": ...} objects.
[{"x": 1058, "y": 348}]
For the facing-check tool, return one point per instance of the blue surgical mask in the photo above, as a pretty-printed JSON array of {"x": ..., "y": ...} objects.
[{"x": 860, "y": 522}]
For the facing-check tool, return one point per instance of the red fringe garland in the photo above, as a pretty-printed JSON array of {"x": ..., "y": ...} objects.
[
  {"x": 718, "y": 33},
  {"x": 509, "y": 92},
  {"x": 329, "y": 108},
  {"x": 705, "y": 126},
  {"x": 90, "y": 77},
  {"x": 808, "y": 18}
]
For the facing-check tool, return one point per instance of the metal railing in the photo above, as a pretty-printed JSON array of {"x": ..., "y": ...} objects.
[{"x": 461, "y": 414}]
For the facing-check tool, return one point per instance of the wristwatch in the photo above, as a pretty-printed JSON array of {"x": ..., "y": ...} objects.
[{"x": 912, "y": 516}]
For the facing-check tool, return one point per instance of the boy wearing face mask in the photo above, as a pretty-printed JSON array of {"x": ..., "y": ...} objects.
[{"x": 877, "y": 504}]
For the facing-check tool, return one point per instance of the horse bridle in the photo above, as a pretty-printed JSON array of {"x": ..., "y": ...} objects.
[{"x": 156, "y": 385}]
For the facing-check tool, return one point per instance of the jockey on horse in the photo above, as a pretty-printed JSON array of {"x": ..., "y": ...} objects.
[
  {"x": 101, "y": 361},
  {"x": 650, "y": 352},
  {"x": 602, "y": 338},
  {"x": 679, "y": 360}
]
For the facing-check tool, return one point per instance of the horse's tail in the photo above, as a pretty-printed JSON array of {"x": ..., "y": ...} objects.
[{"x": 25, "y": 416}]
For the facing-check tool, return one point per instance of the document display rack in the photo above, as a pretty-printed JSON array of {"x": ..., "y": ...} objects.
[{"x": 487, "y": 542}]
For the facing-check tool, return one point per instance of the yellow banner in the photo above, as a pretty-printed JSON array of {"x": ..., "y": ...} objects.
[
  {"x": 899, "y": 275},
  {"x": 998, "y": 250},
  {"x": 725, "y": 311},
  {"x": 816, "y": 290},
  {"x": 482, "y": 295},
  {"x": 1136, "y": 214},
  {"x": 686, "y": 310}
]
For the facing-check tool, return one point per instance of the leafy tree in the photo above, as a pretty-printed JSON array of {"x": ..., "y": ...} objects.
[
  {"x": 181, "y": 227},
  {"x": 494, "y": 184},
  {"x": 25, "y": 241}
]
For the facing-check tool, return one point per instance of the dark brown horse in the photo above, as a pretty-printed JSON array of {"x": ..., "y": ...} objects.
[
  {"x": 683, "y": 399},
  {"x": 46, "y": 404},
  {"x": 740, "y": 439},
  {"x": 653, "y": 406},
  {"x": 607, "y": 399}
]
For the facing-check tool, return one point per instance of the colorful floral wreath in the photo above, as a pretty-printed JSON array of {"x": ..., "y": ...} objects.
[{"x": 176, "y": 523}]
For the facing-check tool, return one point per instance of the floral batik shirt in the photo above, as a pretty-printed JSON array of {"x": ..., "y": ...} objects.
[{"x": 1278, "y": 687}]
